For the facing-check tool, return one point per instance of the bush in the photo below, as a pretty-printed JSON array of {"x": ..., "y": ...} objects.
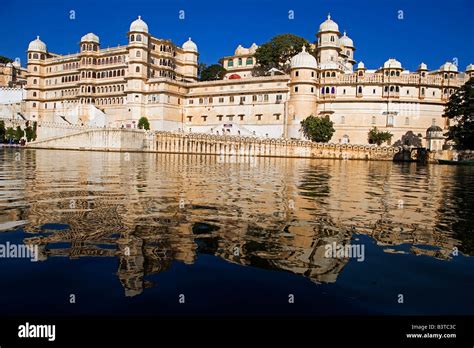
[
  {"x": 143, "y": 123},
  {"x": 378, "y": 137},
  {"x": 2, "y": 132},
  {"x": 318, "y": 129}
]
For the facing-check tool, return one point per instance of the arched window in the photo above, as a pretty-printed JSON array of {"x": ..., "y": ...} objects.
[
  {"x": 391, "y": 88},
  {"x": 398, "y": 73},
  {"x": 138, "y": 54},
  {"x": 240, "y": 61},
  {"x": 360, "y": 89},
  {"x": 360, "y": 73},
  {"x": 348, "y": 53},
  {"x": 139, "y": 37},
  {"x": 34, "y": 105},
  {"x": 35, "y": 81},
  {"x": 132, "y": 37},
  {"x": 35, "y": 55},
  {"x": 392, "y": 73},
  {"x": 137, "y": 69},
  {"x": 34, "y": 94},
  {"x": 322, "y": 90},
  {"x": 29, "y": 56},
  {"x": 327, "y": 90},
  {"x": 333, "y": 90},
  {"x": 332, "y": 38},
  {"x": 123, "y": 72},
  {"x": 328, "y": 74},
  {"x": 35, "y": 68},
  {"x": 386, "y": 73},
  {"x": 422, "y": 91},
  {"x": 397, "y": 89},
  {"x": 249, "y": 61},
  {"x": 333, "y": 74}
]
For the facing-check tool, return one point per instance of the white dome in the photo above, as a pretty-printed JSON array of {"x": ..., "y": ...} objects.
[
  {"x": 90, "y": 37},
  {"x": 240, "y": 50},
  {"x": 303, "y": 60},
  {"x": 190, "y": 46},
  {"x": 470, "y": 67},
  {"x": 392, "y": 64},
  {"x": 361, "y": 65},
  {"x": 139, "y": 25},
  {"x": 448, "y": 66},
  {"x": 346, "y": 41},
  {"x": 422, "y": 66},
  {"x": 16, "y": 64},
  {"x": 328, "y": 25},
  {"x": 253, "y": 48},
  {"x": 37, "y": 45}
]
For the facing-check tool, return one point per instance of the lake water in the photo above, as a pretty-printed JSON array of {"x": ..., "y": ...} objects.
[{"x": 160, "y": 234}]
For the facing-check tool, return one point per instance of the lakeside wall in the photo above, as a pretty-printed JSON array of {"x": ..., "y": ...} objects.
[{"x": 116, "y": 139}]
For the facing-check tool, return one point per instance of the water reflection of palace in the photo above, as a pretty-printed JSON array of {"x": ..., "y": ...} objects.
[{"x": 149, "y": 210}]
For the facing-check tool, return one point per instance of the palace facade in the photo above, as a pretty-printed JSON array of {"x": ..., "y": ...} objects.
[{"x": 157, "y": 79}]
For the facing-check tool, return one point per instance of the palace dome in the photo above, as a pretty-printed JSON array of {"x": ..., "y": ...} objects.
[
  {"x": 253, "y": 48},
  {"x": 328, "y": 25},
  {"x": 90, "y": 37},
  {"x": 360, "y": 66},
  {"x": 303, "y": 60},
  {"x": 448, "y": 66},
  {"x": 139, "y": 25},
  {"x": 434, "y": 132},
  {"x": 470, "y": 67},
  {"x": 346, "y": 41},
  {"x": 422, "y": 66},
  {"x": 240, "y": 50},
  {"x": 37, "y": 45},
  {"x": 190, "y": 46},
  {"x": 392, "y": 63}
]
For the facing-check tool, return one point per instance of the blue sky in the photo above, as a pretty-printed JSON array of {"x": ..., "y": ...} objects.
[{"x": 431, "y": 31}]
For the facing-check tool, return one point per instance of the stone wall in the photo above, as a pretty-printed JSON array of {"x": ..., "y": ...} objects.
[
  {"x": 167, "y": 142},
  {"x": 101, "y": 139}
]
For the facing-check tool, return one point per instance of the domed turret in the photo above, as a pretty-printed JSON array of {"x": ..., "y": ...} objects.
[
  {"x": 392, "y": 63},
  {"x": 448, "y": 67},
  {"x": 346, "y": 41},
  {"x": 303, "y": 60},
  {"x": 190, "y": 46},
  {"x": 90, "y": 37},
  {"x": 37, "y": 45},
  {"x": 139, "y": 25},
  {"x": 253, "y": 48},
  {"x": 470, "y": 68},
  {"x": 361, "y": 66},
  {"x": 329, "y": 25},
  {"x": 422, "y": 67}
]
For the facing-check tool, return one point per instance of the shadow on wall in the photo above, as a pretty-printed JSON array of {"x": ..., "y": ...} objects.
[{"x": 409, "y": 139}]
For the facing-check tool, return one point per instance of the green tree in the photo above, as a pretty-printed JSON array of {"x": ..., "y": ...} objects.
[
  {"x": 277, "y": 53},
  {"x": 35, "y": 127},
  {"x": 460, "y": 108},
  {"x": 5, "y": 60},
  {"x": 29, "y": 133},
  {"x": 10, "y": 134},
  {"x": 318, "y": 129},
  {"x": 143, "y": 123},
  {"x": 212, "y": 72},
  {"x": 19, "y": 133},
  {"x": 378, "y": 137},
  {"x": 2, "y": 132}
]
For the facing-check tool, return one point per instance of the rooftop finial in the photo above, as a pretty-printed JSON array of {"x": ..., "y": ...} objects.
[
  {"x": 189, "y": 38},
  {"x": 329, "y": 16},
  {"x": 304, "y": 48},
  {"x": 345, "y": 33},
  {"x": 139, "y": 17},
  {"x": 37, "y": 37}
]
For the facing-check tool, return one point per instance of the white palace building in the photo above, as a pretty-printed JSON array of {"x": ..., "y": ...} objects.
[{"x": 155, "y": 78}]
